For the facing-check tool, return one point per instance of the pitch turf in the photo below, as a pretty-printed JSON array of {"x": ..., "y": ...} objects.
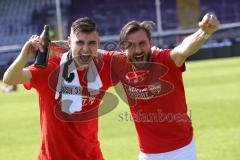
[{"x": 212, "y": 91}]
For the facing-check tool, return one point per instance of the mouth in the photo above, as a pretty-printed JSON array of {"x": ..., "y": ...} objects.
[
  {"x": 140, "y": 61},
  {"x": 85, "y": 58},
  {"x": 139, "y": 58}
]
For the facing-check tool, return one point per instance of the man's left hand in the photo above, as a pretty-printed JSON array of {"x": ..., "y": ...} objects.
[{"x": 209, "y": 24}]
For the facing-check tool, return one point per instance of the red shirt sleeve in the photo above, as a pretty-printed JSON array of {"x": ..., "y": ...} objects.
[
  {"x": 164, "y": 57},
  {"x": 40, "y": 75}
]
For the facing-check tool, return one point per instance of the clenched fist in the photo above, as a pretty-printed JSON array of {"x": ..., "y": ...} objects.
[
  {"x": 31, "y": 46},
  {"x": 209, "y": 24}
]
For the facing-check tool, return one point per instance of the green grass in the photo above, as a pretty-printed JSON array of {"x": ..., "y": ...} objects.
[{"x": 212, "y": 90}]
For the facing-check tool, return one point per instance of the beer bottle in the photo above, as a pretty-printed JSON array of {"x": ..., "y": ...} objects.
[{"x": 41, "y": 60}]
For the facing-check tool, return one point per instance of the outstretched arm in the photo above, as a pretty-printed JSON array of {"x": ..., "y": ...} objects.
[{"x": 191, "y": 44}]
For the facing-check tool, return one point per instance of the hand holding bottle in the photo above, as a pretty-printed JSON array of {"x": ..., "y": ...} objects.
[{"x": 41, "y": 44}]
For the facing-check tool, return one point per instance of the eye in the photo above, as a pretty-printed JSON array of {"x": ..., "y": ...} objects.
[
  {"x": 142, "y": 44},
  {"x": 125, "y": 44},
  {"x": 80, "y": 43},
  {"x": 92, "y": 43}
]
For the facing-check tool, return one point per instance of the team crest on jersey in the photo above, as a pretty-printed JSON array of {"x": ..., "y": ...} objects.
[{"x": 136, "y": 76}]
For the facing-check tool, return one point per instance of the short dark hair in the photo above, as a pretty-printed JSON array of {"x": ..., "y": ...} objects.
[
  {"x": 134, "y": 26},
  {"x": 85, "y": 25}
]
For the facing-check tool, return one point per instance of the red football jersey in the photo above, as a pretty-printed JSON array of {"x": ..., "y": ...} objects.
[
  {"x": 63, "y": 136},
  {"x": 157, "y": 102}
]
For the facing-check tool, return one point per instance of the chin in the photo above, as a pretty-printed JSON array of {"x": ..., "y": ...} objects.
[{"x": 140, "y": 65}]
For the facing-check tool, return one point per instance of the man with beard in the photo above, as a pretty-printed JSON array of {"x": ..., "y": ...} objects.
[
  {"x": 152, "y": 80},
  {"x": 153, "y": 83},
  {"x": 72, "y": 84}
]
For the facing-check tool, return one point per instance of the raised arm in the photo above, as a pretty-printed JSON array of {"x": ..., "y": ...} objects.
[
  {"x": 191, "y": 44},
  {"x": 16, "y": 74}
]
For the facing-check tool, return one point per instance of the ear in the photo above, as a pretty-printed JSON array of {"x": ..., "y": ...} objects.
[
  {"x": 122, "y": 45},
  {"x": 150, "y": 42},
  {"x": 122, "y": 49},
  {"x": 98, "y": 42},
  {"x": 69, "y": 40}
]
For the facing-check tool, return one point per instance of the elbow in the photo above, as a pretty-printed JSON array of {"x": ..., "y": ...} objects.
[{"x": 7, "y": 80}]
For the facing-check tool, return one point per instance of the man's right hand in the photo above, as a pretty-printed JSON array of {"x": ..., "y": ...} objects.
[{"x": 32, "y": 45}]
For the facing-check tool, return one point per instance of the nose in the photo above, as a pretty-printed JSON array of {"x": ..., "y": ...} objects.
[
  {"x": 85, "y": 48},
  {"x": 137, "y": 49}
]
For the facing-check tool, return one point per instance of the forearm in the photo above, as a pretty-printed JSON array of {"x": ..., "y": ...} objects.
[
  {"x": 192, "y": 44},
  {"x": 14, "y": 73}
]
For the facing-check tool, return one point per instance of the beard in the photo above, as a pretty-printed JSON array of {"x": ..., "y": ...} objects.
[{"x": 141, "y": 60}]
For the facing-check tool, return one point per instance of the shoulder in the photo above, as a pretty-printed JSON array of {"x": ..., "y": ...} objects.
[
  {"x": 160, "y": 55},
  {"x": 104, "y": 53},
  {"x": 54, "y": 60},
  {"x": 163, "y": 56},
  {"x": 110, "y": 56},
  {"x": 101, "y": 52},
  {"x": 156, "y": 52}
]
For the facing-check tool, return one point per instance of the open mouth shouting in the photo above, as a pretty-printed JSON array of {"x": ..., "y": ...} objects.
[
  {"x": 139, "y": 58},
  {"x": 140, "y": 61},
  {"x": 85, "y": 58}
]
